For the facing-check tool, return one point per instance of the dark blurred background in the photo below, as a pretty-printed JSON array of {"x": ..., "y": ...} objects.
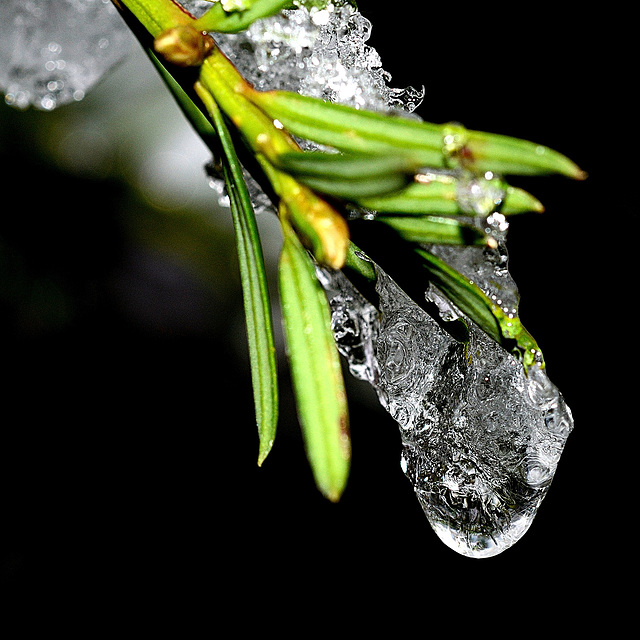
[{"x": 127, "y": 459}]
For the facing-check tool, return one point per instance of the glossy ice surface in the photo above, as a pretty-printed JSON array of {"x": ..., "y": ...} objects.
[{"x": 481, "y": 437}]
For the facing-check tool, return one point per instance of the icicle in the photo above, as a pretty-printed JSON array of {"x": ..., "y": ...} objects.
[{"x": 481, "y": 439}]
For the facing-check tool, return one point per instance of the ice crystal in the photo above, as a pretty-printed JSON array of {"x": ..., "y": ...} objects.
[{"x": 319, "y": 52}]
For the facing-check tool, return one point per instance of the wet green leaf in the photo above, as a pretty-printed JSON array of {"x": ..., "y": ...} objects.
[
  {"x": 440, "y": 196},
  {"x": 518, "y": 200},
  {"x": 352, "y": 130},
  {"x": 506, "y": 329},
  {"x": 155, "y": 15},
  {"x": 425, "y": 143},
  {"x": 358, "y": 262},
  {"x": 508, "y": 155},
  {"x": 315, "y": 368},
  {"x": 435, "y": 230},
  {"x": 223, "y": 20},
  {"x": 348, "y": 176},
  {"x": 254, "y": 289}
]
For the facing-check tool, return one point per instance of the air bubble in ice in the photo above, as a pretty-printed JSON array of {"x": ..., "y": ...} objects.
[{"x": 52, "y": 53}]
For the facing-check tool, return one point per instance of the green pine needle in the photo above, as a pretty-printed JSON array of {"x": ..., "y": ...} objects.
[{"x": 315, "y": 368}]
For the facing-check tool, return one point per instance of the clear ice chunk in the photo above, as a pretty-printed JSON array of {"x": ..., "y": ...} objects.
[
  {"x": 481, "y": 438},
  {"x": 320, "y": 52},
  {"x": 53, "y": 53}
]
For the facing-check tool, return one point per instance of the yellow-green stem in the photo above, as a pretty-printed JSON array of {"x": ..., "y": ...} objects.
[{"x": 227, "y": 86}]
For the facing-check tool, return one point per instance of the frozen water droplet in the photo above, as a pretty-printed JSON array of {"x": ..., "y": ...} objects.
[
  {"x": 479, "y": 482},
  {"x": 481, "y": 438},
  {"x": 480, "y": 195},
  {"x": 52, "y": 53}
]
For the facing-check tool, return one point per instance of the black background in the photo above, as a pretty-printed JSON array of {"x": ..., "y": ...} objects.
[{"x": 128, "y": 475}]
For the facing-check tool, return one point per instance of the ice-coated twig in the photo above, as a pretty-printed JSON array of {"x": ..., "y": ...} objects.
[{"x": 294, "y": 92}]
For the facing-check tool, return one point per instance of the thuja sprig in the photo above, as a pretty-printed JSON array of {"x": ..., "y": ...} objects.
[{"x": 407, "y": 171}]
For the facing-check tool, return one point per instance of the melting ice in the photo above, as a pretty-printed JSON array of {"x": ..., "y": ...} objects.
[
  {"x": 319, "y": 52},
  {"x": 52, "y": 53},
  {"x": 481, "y": 439}
]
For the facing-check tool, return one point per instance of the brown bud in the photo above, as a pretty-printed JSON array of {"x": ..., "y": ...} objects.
[{"x": 183, "y": 46}]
